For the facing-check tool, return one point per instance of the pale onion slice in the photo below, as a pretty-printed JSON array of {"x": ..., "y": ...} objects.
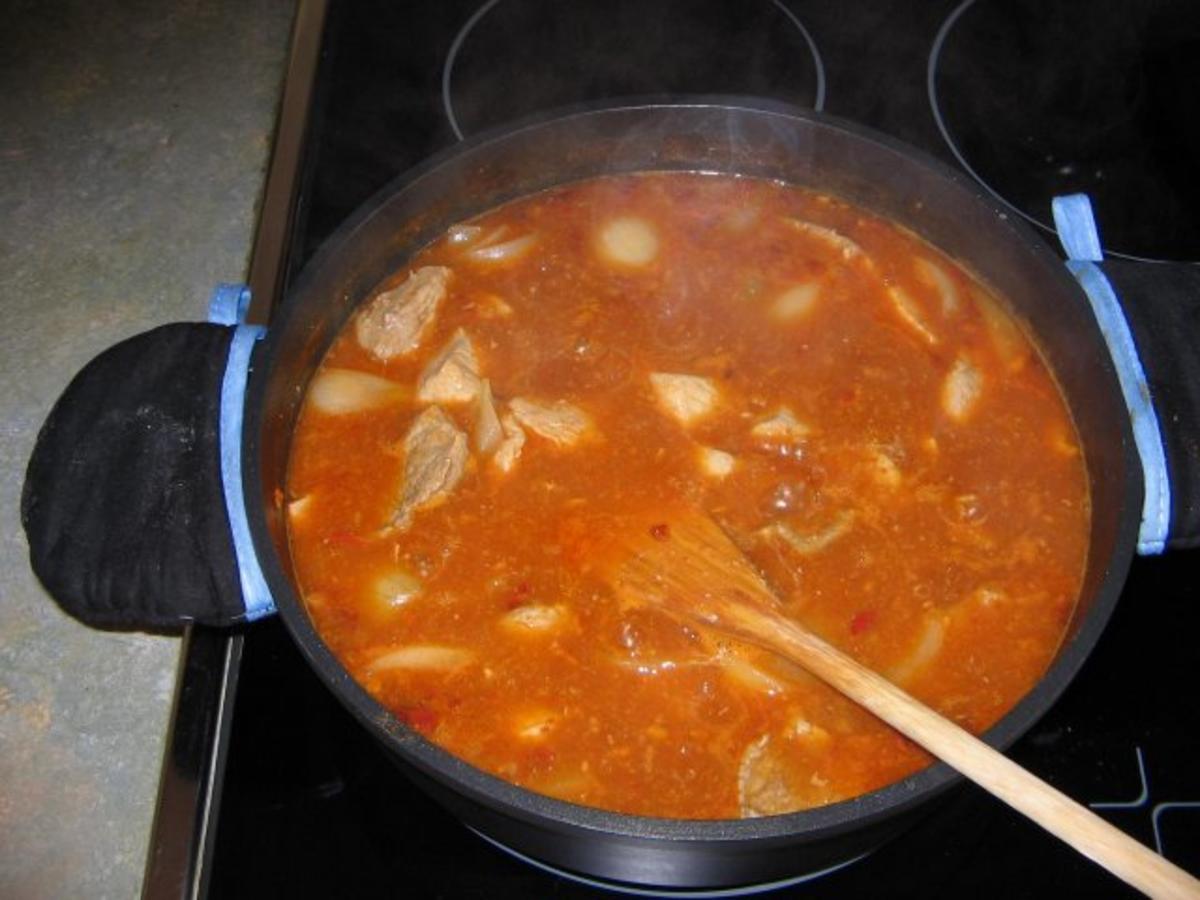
[
  {"x": 783, "y": 425},
  {"x": 987, "y": 596},
  {"x": 883, "y": 468},
  {"x": 715, "y": 463},
  {"x": 299, "y": 510},
  {"x": 809, "y": 543},
  {"x": 394, "y": 588},
  {"x": 628, "y": 241},
  {"x": 503, "y": 252},
  {"x": 1007, "y": 340},
  {"x": 961, "y": 390},
  {"x": 686, "y": 398},
  {"x": 935, "y": 276},
  {"x": 806, "y": 733},
  {"x": 835, "y": 240},
  {"x": 742, "y": 217},
  {"x": 571, "y": 785},
  {"x": 747, "y": 675},
  {"x": 908, "y": 311},
  {"x": 927, "y": 646},
  {"x": 509, "y": 450},
  {"x": 1061, "y": 442},
  {"x": 488, "y": 431},
  {"x": 316, "y": 602},
  {"x": 533, "y": 619},
  {"x": 463, "y": 234},
  {"x": 493, "y": 306},
  {"x": 796, "y": 302},
  {"x": 422, "y": 658},
  {"x": 534, "y": 724},
  {"x": 339, "y": 392},
  {"x": 654, "y": 668}
]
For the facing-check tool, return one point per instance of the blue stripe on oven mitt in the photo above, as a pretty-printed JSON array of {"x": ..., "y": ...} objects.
[
  {"x": 228, "y": 306},
  {"x": 1077, "y": 231}
]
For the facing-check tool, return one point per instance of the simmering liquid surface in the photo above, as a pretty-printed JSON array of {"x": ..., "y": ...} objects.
[{"x": 862, "y": 418}]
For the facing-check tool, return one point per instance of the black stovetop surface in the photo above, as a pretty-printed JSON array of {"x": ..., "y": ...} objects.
[{"x": 310, "y": 805}]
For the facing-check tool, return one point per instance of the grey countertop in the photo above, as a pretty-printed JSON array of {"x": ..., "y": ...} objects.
[{"x": 133, "y": 148}]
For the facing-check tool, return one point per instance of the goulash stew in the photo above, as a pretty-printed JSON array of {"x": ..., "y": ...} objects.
[{"x": 861, "y": 416}]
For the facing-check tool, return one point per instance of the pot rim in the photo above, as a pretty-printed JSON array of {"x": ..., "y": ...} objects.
[{"x": 819, "y": 823}]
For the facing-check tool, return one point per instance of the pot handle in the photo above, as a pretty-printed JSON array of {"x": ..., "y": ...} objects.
[
  {"x": 133, "y": 502},
  {"x": 229, "y": 305},
  {"x": 1149, "y": 314}
]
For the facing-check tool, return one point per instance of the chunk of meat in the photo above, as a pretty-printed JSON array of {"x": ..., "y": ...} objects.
[
  {"x": 783, "y": 426},
  {"x": 453, "y": 375},
  {"x": 394, "y": 323},
  {"x": 435, "y": 456},
  {"x": 961, "y": 390},
  {"x": 508, "y": 451},
  {"x": 772, "y": 781},
  {"x": 559, "y": 422},
  {"x": 687, "y": 398},
  {"x": 763, "y": 788}
]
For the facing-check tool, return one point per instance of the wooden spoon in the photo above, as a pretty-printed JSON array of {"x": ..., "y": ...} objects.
[{"x": 689, "y": 567}]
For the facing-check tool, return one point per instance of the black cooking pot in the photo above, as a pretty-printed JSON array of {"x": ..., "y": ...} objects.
[
  {"x": 137, "y": 483},
  {"x": 765, "y": 141}
]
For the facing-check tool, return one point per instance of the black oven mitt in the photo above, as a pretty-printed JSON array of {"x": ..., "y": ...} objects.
[{"x": 123, "y": 502}]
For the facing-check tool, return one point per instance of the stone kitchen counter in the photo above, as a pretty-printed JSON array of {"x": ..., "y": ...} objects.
[{"x": 133, "y": 149}]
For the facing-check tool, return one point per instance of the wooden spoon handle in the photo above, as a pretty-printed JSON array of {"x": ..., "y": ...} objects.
[{"x": 991, "y": 770}]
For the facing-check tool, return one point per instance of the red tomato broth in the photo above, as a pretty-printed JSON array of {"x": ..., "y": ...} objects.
[{"x": 965, "y": 537}]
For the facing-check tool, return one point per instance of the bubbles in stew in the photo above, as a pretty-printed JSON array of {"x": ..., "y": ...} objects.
[{"x": 863, "y": 417}]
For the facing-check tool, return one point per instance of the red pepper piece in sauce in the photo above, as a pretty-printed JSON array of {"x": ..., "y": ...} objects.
[
  {"x": 346, "y": 539},
  {"x": 661, "y": 531},
  {"x": 862, "y": 621},
  {"x": 419, "y": 717},
  {"x": 519, "y": 594}
]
